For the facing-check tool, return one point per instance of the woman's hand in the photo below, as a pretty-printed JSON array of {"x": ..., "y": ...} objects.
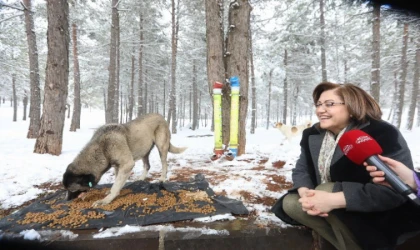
[
  {"x": 405, "y": 174},
  {"x": 320, "y": 203},
  {"x": 302, "y": 191}
]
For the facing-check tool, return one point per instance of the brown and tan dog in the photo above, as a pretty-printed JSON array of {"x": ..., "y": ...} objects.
[{"x": 119, "y": 146}]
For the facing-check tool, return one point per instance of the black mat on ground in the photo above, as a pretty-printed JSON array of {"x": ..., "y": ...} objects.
[{"x": 125, "y": 214}]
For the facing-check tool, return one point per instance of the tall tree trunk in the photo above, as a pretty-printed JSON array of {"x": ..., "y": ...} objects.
[
  {"x": 156, "y": 104},
  {"x": 415, "y": 89},
  {"x": 195, "y": 97},
  {"x": 25, "y": 105},
  {"x": 199, "y": 111},
  {"x": 169, "y": 118},
  {"x": 35, "y": 105},
  {"x": 140, "y": 101},
  {"x": 117, "y": 75},
  {"x": 50, "y": 138},
  {"x": 164, "y": 98},
  {"x": 146, "y": 94},
  {"x": 270, "y": 82},
  {"x": 104, "y": 91},
  {"x": 376, "y": 52},
  {"x": 112, "y": 83},
  {"x": 346, "y": 68},
  {"x": 121, "y": 107},
  {"x": 253, "y": 88},
  {"x": 237, "y": 47},
  {"x": 77, "y": 107},
  {"x": 184, "y": 114},
  {"x": 14, "y": 97},
  {"x": 295, "y": 103},
  {"x": 395, "y": 95},
  {"x": 215, "y": 46},
  {"x": 190, "y": 109},
  {"x": 126, "y": 102},
  {"x": 152, "y": 103},
  {"x": 285, "y": 88},
  {"x": 322, "y": 41},
  {"x": 68, "y": 110},
  {"x": 402, "y": 78},
  {"x": 175, "y": 28},
  {"x": 131, "y": 98},
  {"x": 182, "y": 111},
  {"x": 226, "y": 106}
]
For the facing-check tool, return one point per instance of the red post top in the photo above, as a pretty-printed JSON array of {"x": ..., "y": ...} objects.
[{"x": 217, "y": 85}]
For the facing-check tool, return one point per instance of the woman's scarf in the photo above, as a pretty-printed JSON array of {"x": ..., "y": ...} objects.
[{"x": 329, "y": 144}]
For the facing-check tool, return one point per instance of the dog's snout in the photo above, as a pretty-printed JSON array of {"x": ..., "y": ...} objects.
[{"x": 72, "y": 195}]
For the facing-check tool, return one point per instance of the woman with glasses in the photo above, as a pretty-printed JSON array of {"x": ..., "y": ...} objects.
[{"x": 334, "y": 196}]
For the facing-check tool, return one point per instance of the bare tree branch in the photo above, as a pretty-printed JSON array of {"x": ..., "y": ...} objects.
[
  {"x": 3, "y": 20},
  {"x": 10, "y": 6}
]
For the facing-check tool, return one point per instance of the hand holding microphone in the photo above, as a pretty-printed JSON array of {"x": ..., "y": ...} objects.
[
  {"x": 360, "y": 147},
  {"x": 405, "y": 174}
]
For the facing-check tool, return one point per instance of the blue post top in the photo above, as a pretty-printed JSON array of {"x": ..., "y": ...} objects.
[
  {"x": 233, "y": 151},
  {"x": 234, "y": 81}
]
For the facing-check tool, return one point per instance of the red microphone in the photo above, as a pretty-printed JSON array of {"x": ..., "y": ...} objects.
[{"x": 360, "y": 147}]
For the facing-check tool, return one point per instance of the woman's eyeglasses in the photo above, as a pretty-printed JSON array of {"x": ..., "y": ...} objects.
[{"x": 328, "y": 104}]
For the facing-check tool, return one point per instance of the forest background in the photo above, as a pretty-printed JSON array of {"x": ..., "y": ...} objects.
[{"x": 135, "y": 57}]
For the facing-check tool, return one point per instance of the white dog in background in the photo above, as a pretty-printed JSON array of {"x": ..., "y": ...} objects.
[{"x": 292, "y": 131}]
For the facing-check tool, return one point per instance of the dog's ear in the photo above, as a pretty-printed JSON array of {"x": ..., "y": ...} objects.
[
  {"x": 91, "y": 180},
  {"x": 85, "y": 180},
  {"x": 278, "y": 124}
]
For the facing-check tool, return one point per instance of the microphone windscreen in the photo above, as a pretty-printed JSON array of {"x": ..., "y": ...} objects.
[{"x": 358, "y": 146}]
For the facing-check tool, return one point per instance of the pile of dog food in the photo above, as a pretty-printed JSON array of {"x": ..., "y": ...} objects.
[
  {"x": 77, "y": 213},
  {"x": 139, "y": 203}
]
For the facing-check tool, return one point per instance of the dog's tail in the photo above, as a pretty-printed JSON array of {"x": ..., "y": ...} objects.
[{"x": 176, "y": 150}]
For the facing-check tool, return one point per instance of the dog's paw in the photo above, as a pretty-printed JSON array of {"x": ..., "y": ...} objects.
[
  {"x": 100, "y": 203},
  {"x": 162, "y": 179},
  {"x": 142, "y": 177}
]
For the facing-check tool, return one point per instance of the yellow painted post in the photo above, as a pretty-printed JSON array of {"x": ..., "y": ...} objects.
[
  {"x": 234, "y": 116},
  {"x": 217, "y": 106}
]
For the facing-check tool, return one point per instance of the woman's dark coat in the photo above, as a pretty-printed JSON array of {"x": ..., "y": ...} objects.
[{"x": 375, "y": 214}]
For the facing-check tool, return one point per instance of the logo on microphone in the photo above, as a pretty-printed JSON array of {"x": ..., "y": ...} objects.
[
  {"x": 347, "y": 148},
  {"x": 362, "y": 139}
]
